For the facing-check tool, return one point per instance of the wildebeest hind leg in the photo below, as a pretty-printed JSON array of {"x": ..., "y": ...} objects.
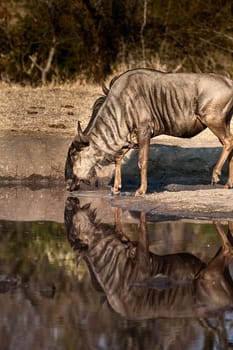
[
  {"x": 221, "y": 129},
  {"x": 229, "y": 183},
  {"x": 227, "y": 149}
]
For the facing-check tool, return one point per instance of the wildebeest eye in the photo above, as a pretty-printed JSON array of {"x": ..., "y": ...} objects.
[
  {"x": 74, "y": 157},
  {"x": 73, "y": 154}
]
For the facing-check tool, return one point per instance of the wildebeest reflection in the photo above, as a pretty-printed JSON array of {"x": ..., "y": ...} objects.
[
  {"x": 141, "y": 285},
  {"x": 142, "y": 104}
]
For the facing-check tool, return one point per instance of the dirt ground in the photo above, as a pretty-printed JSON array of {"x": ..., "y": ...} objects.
[
  {"x": 55, "y": 110},
  {"x": 46, "y": 110}
]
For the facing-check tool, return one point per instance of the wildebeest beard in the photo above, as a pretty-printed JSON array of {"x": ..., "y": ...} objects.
[
  {"x": 74, "y": 154},
  {"x": 90, "y": 162}
]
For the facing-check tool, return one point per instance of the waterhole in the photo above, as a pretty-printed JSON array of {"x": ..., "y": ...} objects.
[{"x": 60, "y": 288}]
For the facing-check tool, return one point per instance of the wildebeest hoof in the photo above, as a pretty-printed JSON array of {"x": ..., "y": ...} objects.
[
  {"x": 228, "y": 185},
  {"x": 115, "y": 191},
  {"x": 71, "y": 186},
  {"x": 140, "y": 193},
  {"x": 215, "y": 177},
  {"x": 215, "y": 180}
]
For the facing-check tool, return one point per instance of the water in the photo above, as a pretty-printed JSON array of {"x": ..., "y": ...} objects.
[{"x": 48, "y": 302}]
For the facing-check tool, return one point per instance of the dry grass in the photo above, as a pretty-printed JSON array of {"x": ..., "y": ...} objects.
[{"x": 47, "y": 110}]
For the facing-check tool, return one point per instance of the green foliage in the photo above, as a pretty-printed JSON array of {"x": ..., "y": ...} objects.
[
  {"x": 59, "y": 40},
  {"x": 36, "y": 251}
]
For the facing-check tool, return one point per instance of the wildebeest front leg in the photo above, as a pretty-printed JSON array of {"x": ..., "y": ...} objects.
[
  {"x": 226, "y": 240},
  {"x": 143, "y": 135},
  {"x": 118, "y": 225},
  {"x": 222, "y": 235},
  {"x": 143, "y": 254},
  {"x": 117, "y": 178}
]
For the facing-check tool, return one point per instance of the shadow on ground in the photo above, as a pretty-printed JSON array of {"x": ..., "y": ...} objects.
[{"x": 173, "y": 168}]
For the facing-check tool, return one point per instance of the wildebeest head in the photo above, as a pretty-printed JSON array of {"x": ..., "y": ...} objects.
[
  {"x": 78, "y": 167},
  {"x": 80, "y": 223}
]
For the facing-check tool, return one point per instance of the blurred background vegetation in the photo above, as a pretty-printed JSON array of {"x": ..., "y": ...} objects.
[{"x": 63, "y": 40}]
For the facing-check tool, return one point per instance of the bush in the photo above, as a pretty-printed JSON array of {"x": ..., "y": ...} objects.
[{"x": 59, "y": 40}]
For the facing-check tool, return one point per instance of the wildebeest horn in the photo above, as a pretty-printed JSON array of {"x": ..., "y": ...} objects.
[{"x": 83, "y": 138}]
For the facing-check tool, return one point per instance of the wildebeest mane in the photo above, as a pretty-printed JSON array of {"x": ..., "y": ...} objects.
[{"x": 97, "y": 105}]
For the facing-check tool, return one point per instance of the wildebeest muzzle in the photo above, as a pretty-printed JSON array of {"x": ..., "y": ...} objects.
[{"x": 72, "y": 184}]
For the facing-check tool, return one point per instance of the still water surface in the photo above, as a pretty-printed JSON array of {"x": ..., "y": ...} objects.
[{"x": 48, "y": 302}]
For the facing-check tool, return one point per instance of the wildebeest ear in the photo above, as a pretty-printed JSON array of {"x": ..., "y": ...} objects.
[
  {"x": 104, "y": 88},
  {"x": 81, "y": 136}
]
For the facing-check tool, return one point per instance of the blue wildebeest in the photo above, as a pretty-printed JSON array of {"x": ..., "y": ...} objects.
[
  {"x": 144, "y": 103},
  {"x": 139, "y": 284}
]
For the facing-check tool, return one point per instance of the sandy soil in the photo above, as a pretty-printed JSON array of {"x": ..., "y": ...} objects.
[
  {"x": 55, "y": 111},
  {"x": 46, "y": 110}
]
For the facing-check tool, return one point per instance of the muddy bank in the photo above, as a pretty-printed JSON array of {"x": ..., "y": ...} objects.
[
  {"x": 40, "y": 159},
  {"x": 200, "y": 204},
  {"x": 36, "y": 159},
  {"x": 32, "y": 158}
]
